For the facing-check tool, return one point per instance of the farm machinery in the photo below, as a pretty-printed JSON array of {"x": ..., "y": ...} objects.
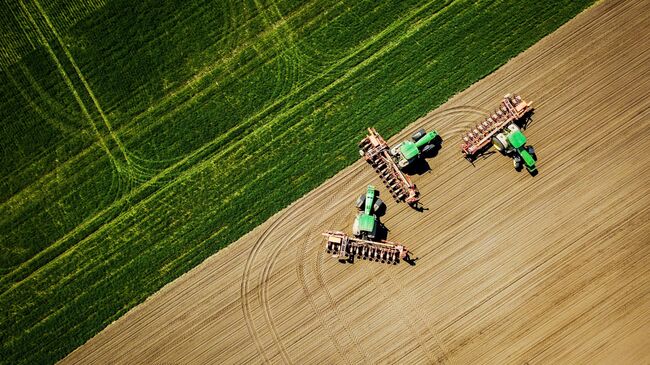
[
  {"x": 501, "y": 130},
  {"x": 389, "y": 162},
  {"x": 343, "y": 246},
  {"x": 366, "y": 223},
  {"x": 364, "y": 242}
]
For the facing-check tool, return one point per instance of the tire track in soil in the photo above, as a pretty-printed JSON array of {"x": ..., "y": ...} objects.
[
  {"x": 300, "y": 270},
  {"x": 248, "y": 318},
  {"x": 387, "y": 297},
  {"x": 263, "y": 290},
  {"x": 264, "y": 279}
]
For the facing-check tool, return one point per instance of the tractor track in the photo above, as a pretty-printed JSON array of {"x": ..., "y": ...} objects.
[
  {"x": 318, "y": 273},
  {"x": 264, "y": 281},
  {"x": 373, "y": 276},
  {"x": 300, "y": 273},
  {"x": 264, "y": 278},
  {"x": 245, "y": 279}
]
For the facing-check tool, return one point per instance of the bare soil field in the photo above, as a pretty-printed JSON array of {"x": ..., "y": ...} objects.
[{"x": 511, "y": 268}]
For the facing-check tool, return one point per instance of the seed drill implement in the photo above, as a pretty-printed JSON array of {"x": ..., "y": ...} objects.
[{"x": 344, "y": 247}]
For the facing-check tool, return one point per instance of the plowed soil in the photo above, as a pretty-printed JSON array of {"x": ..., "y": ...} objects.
[{"x": 511, "y": 268}]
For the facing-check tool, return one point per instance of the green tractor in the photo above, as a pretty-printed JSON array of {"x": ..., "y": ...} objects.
[
  {"x": 408, "y": 152},
  {"x": 366, "y": 223},
  {"x": 512, "y": 142}
]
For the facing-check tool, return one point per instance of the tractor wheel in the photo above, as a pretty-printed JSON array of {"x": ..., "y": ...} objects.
[
  {"x": 361, "y": 201},
  {"x": 378, "y": 206},
  {"x": 428, "y": 148},
  {"x": 517, "y": 162},
  {"x": 419, "y": 134},
  {"x": 531, "y": 150},
  {"x": 356, "y": 232},
  {"x": 498, "y": 144}
]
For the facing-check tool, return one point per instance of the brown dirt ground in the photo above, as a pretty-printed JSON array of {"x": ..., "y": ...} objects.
[{"x": 511, "y": 268}]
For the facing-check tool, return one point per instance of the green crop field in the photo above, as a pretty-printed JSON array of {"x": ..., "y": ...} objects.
[{"x": 140, "y": 137}]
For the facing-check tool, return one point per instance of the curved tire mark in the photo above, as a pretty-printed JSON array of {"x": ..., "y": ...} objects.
[
  {"x": 318, "y": 272},
  {"x": 248, "y": 318},
  {"x": 262, "y": 291},
  {"x": 302, "y": 278}
]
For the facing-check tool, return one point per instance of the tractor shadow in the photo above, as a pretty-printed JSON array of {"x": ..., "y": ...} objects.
[
  {"x": 410, "y": 260},
  {"x": 382, "y": 209},
  {"x": 418, "y": 207},
  {"x": 382, "y": 231},
  {"x": 526, "y": 119},
  {"x": 483, "y": 154},
  {"x": 419, "y": 167}
]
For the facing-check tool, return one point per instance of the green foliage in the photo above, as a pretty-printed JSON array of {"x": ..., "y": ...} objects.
[{"x": 202, "y": 119}]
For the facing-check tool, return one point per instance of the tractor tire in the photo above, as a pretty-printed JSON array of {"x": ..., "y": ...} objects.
[
  {"x": 498, "y": 144},
  {"x": 516, "y": 161},
  {"x": 361, "y": 202},
  {"x": 428, "y": 148},
  {"x": 356, "y": 232},
  {"x": 378, "y": 206},
  {"x": 531, "y": 150},
  {"x": 419, "y": 134}
]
